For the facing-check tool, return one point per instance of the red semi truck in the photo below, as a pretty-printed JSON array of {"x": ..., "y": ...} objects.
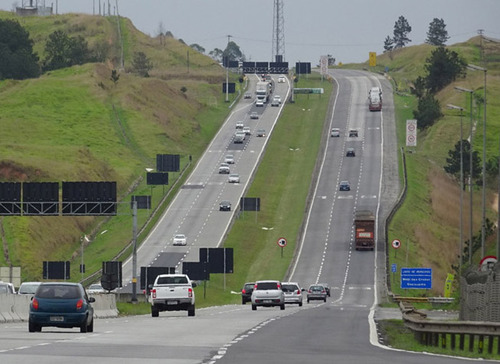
[{"x": 364, "y": 225}]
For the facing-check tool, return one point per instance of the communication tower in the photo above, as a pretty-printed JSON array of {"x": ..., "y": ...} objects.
[{"x": 278, "y": 32}]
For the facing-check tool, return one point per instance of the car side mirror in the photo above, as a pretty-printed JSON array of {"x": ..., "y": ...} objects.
[
  {"x": 91, "y": 299},
  {"x": 193, "y": 284},
  {"x": 150, "y": 286}
]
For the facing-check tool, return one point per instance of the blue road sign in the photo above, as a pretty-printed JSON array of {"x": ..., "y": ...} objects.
[
  {"x": 416, "y": 278},
  {"x": 394, "y": 267}
]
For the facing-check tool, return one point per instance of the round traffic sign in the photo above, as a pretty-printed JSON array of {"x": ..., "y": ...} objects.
[
  {"x": 282, "y": 242},
  {"x": 396, "y": 243},
  {"x": 487, "y": 263}
]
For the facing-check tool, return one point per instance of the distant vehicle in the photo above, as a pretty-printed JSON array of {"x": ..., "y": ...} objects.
[
  {"x": 247, "y": 95},
  {"x": 95, "y": 288},
  {"x": 224, "y": 169},
  {"x": 375, "y": 99},
  {"x": 364, "y": 226},
  {"x": 350, "y": 152},
  {"x": 229, "y": 159},
  {"x": 239, "y": 137},
  {"x": 7, "y": 288},
  {"x": 327, "y": 288},
  {"x": 28, "y": 287},
  {"x": 277, "y": 98},
  {"x": 353, "y": 132},
  {"x": 259, "y": 103},
  {"x": 316, "y": 292},
  {"x": 239, "y": 125},
  {"x": 179, "y": 239},
  {"x": 345, "y": 186},
  {"x": 268, "y": 294},
  {"x": 261, "y": 133},
  {"x": 246, "y": 292},
  {"x": 246, "y": 130},
  {"x": 335, "y": 133},
  {"x": 275, "y": 103},
  {"x": 293, "y": 292},
  {"x": 262, "y": 91},
  {"x": 254, "y": 115},
  {"x": 281, "y": 79},
  {"x": 61, "y": 304},
  {"x": 234, "y": 178},
  {"x": 225, "y": 206},
  {"x": 172, "y": 292}
]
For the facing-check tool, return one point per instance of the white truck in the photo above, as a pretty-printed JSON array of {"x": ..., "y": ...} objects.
[
  {"x": 375, "y": 99},
  {"x": 262, "y": 91},
  {"x": 172, "y": 292}
]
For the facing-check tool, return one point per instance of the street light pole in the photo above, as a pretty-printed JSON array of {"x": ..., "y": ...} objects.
[
  {"x": 227, "y": 68},
  {"x": 471, "y": 235},
  {"x": 483, "y": 221},
  {"x": 461, "y": 182}
]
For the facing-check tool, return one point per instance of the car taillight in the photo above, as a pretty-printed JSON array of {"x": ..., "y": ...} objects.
[
  {"x": 243, "y": 291},
  {"x": 190, "y": 292},
  {"x": 298, "y": 291},
  {"x": 309, "y": 291},
  {"x": 153, "y": 293},
  {"x": 35, "y": 304},
  {"x": 279, "y": 286},
  {"x": 79, "y": 304}
]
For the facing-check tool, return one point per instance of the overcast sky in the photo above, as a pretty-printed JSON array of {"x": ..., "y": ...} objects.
[{"x": 347, "y": 29}]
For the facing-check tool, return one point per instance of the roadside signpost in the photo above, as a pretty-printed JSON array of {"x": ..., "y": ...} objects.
[
  {"x": 281, "y": 243},
  {"x": 416, "y": 278}
]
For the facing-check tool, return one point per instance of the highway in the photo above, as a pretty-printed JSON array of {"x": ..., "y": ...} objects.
[{"x": 342, "y": 330}]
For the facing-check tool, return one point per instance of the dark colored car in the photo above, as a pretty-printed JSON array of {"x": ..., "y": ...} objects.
[
  {"x": 345, "y": 186},
  {"x": 246, "y": 292},
  {"x": 61, "y": 304},
  {"x": 327, "y": 288},
  {"x": 350, "y": 152},
  {"x": 353, "y": 132},
  {"x": 225, "y": 206}
]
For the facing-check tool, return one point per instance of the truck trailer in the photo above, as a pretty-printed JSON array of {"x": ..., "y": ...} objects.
[
  {"x": 364, "y": 225},
  {"x": 375, "y": 99},
  {"x": 262, "y": 91}
]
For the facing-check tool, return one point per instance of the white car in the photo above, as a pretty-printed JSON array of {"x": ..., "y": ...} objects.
[
  {"x": 224, "y": 169},
  {"x": 259, "y": 103},
  {"x": 234, "y": 178},
  {"x": 229, "y": 159},
  {"x": 28, "y": 287},
  {"x": 95, "y": 288},
  {"x": 179, "y": 239},
  {"x": 246, "y": 130},
  {"x": 277, "y": 98},
  {"x": 335, "y": 132},
  {"x": 239, "y": 125},
  {"x": 281, "y": 79},
  {"x": 254, "y": 115}
]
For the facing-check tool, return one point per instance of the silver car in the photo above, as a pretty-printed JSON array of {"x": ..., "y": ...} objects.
[
  {"x": 268, "y": 294},
  {"x": 316, "y": 292},
  {"x": 293, "y": 293}
]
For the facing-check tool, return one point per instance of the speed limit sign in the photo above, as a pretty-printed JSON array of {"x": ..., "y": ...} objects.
[
  {"x": 396, "y": 243},
  {"x": 282, "y": 242}
]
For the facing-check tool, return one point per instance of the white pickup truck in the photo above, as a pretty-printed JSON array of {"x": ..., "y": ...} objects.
[{"x": 172, "y": 292}]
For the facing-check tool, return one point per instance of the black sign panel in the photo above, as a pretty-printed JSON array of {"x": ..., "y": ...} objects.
[
  {"x": 157, "y": 178},
  {"x": 143, "y": 202},
  {"x": 149, "y": 274},
  {"x": 40, "y": 198},
  {"x": 10, "y": 198},
  {"x": 89, "y": 198},
  {"x": 232, "y": 87},
  {"x": 220, "y": 260},
  {"x": 303, "y": 67},
  {"x": 111, "y": 275},
  {"x": 278, "y": 68},
  {"x": 168, "y": 162},
  {"x": 196, "y": 271},
  {"x": 56, "y": 270},
  {"x": 250, "y": 204},
  {"x": 233, "y": 64}
]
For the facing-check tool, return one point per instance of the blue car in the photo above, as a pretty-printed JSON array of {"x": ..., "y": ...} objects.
[{"x": 61, "y": 304}]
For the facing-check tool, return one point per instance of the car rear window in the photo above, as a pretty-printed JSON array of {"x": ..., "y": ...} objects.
[
  {"x": 317, "y": 288},
  {"x": 289, "y": 287},
  {"x": 267, "y": 285},
  {"x": 172, "y": 280},
  {"x": 58, "y": 292}
]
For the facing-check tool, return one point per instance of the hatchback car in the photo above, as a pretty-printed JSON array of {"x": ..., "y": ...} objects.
[
  {"x": 335, "y": 133},
  {"x": 247, "y": 95},
  {"x": 281, "y": 79},
  {"x": 224, "y": 169},
  {"x": 350, "y": 152},
  {"x": 225, "y": 206},
  {"x": 28, "y": 287},
  {"x": 277, "y": 98},
  {"x": 345, "y": 186},
  {"x": 179, "y": 239},
  {"x": 7, "y": 288},
  {"x": 259, "y": 103},
  {"x": 268, "y": 294},
  {"x": 239, "y": 137},
  {"x": 275, "y": 103},
  {"x": 353, "y": 132},
  {"x": 239, "y": 125},
  {"x": 229, "y": 159},
  {"x": 254, "y": 115},
  {"x": 316, "y": 292},
  {"x": 234, "y": 178},
  {"x": 61, "y": 304},
  {"x": 95, "y": 288},
  {"x": 246, "y": 130},
  {"x": 261, "y": 133},
  {"x": 293, "y": 292},
  {"x": 246, "y": 292}
]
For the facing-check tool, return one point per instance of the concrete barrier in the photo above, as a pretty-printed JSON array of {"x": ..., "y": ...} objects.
[{"x": 15, "y": 307}]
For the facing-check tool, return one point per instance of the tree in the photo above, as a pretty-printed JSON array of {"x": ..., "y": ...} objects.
[
  {"x": 388, "y": 44},
  {"x": 437, "y": 34},
  {"x": 401, "y": 30},
  {"x": 17, "y": 59},
  {"x": 233, "y": 52},
  {"x": 142, "y": 64},
  {"x": 428, "y": 111},
  {"x": 216, "y": 54},
  {"x": 443, "y": 67},
  {"x": 198, "y": 48},
  {"x": 453, "y": 162},
  {"x": 419, "y": 87},
  {"x": 64, "y": 51}
]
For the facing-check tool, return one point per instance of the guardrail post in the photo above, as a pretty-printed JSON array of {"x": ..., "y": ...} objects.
[
  {"x": 490, "y": 344},
  {"x": 498, "y": 343},
  {"x": 462, "y": 342},
  {"x": 480, "y": 344},
  {"x": 435, "y": 339},
  {"x": 453, "y": 341},
  {"x": 443, "y": 340},
  {"x": 471, "y": 342}
]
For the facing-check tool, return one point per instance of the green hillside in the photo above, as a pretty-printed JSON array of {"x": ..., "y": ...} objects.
[{"x": 75, "y": 124}]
